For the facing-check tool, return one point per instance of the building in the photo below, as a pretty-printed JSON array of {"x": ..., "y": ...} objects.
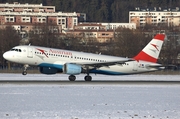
[
  {"x": 26, "y": 17},
  {"x": 17, "y": 7},
  {"x": 102, "y": 32},
  {"x": 100, "y": 35},
  {"x": 107, "y": 26},
  {"x": 89, "y": 26},
  {"x": 119, "y": 25},
  {"x": 155, "y": 16},
  {"x": 37, "y": 13}
]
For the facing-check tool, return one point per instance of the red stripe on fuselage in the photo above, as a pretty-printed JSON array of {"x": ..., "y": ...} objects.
[{"x": 143, "y": 56}]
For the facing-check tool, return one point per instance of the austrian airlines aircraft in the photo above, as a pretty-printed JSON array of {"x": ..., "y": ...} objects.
[{"x": 52, "y": 61}]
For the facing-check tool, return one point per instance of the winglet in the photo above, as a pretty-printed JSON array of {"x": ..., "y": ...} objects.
[{"x": 152, "y": 50}]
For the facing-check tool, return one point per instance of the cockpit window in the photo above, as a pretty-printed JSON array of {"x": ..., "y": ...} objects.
[
  {"x": 12, "y": 49},
  {"x": 17, "y": 50}
]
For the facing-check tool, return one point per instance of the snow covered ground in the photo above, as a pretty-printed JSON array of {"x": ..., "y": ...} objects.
[{"x": 34, "y": 101}]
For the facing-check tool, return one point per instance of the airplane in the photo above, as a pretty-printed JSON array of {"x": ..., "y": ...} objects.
[{"x": 52, "y": 61}]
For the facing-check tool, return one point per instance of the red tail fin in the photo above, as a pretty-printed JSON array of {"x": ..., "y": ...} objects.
[{"x": 152, "y": 50}]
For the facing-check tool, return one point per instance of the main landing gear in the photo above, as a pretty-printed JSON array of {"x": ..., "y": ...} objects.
[
  {"x": 25, "y": 69},
  {"x": 86, "y": 78},
  {"x": 72, "y": 78}
]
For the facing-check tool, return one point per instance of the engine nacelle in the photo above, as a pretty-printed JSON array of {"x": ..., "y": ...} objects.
[
  {"x": 48, "y": 70},
  {"x": 72, "y": 69}
]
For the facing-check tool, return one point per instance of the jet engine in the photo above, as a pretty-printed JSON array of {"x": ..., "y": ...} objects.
[{"x": 72, "y": 69}]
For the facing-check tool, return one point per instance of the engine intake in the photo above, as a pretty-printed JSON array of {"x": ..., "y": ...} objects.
[{"x": 72, "y": 69}]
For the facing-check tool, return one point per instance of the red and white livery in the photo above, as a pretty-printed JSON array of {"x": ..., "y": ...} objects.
[{"x": 52, "y": 61}]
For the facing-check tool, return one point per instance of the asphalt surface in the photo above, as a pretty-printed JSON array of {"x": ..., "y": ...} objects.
[{"x": 95, "y": 82}]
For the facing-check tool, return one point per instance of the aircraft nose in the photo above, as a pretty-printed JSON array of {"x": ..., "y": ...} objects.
[{"x": 7, "y": 55}]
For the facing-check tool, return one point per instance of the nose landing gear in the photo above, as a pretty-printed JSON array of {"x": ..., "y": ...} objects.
[{"x": 25, "y": 69}]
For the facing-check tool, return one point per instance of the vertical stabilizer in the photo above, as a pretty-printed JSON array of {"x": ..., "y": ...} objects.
[{"x": 152, "y": 50}]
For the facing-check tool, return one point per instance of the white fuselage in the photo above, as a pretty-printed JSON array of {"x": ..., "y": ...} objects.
[{"x": 56, "y": 58}]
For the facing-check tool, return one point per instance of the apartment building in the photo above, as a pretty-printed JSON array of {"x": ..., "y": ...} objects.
[
  {"x": 25, "y": 17},
  {"x": 107, "y": 26},
  {"x": 37, "y": 13},
  {"x": 102, "y": 32},
  {"x": 119, "y": 25},
  {"x": 155, "y": 16},
  {"x": 17, "y": 7},
  {"x": 89, "y": 26},
  {"x": 101, "y": 36}
]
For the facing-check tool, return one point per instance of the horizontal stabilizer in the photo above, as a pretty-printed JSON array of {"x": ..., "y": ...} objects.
[{"x": 155, "y": 66}]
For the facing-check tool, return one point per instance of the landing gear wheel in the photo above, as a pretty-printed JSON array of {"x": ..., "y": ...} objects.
[
  {"x": 72, "y": 78},
  {"x": 25, "y": 69},
  {"x": 87, "y": 78},
  {"x": 24, "y": 73}
]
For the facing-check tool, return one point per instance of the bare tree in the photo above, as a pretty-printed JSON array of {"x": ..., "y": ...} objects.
[
  {"x": 129, "y": 42},
  {"x": 43, "y": 35},
  {"x": 8, "y": 39},
  {"x": 170, "y": 50}
]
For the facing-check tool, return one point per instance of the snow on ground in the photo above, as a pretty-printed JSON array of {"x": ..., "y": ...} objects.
[{"x": 23, "y": 101}]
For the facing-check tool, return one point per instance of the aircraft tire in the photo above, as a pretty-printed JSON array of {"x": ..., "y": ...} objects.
[
  {"x": 24, "y": 73},
  {"x": 88, "y": 78},
  {"x": 72, "y": 78}
]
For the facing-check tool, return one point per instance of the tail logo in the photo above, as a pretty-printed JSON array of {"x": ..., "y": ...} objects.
[
  {"x": 156, "y": 46},
  {"x": 151, "y": 51}
]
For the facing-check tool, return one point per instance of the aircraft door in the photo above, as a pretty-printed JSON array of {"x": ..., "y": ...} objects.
[
  {"x": 135, "y": 66},
  {"x": 30, "y": 52}
]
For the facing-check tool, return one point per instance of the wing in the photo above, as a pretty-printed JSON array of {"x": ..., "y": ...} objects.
[{"x": 101, "y": 64}]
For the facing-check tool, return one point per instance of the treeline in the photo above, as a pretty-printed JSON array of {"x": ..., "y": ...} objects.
[
  {"x": 102, "y": 10},
  {"x": 8, "y": 39}
]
